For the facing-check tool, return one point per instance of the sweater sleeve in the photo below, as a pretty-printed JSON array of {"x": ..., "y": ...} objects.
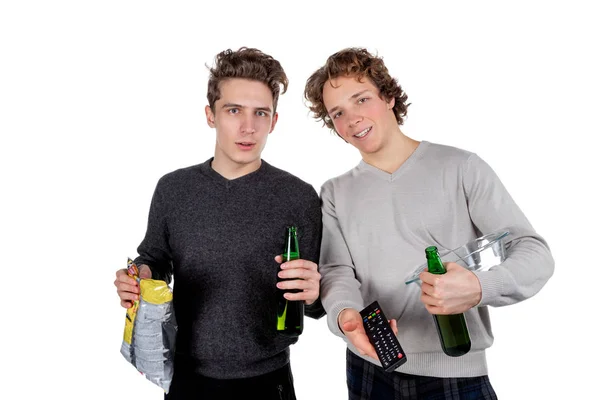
[
  {"x": 311, "y": 229},
  {"x": 339, "y": 286},
  {"x": 529, "y": 263},
  {"x": 154, "y": 250}
]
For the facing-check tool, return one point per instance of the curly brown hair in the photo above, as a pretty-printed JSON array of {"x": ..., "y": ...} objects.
[
  {"x": 246, "y": 63},
  {"x": 357, "y": 62}
]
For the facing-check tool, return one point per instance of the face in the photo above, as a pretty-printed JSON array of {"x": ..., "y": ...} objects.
[
  {"x": 243, "y": 119},
  {"x": 359, "y": 115}
]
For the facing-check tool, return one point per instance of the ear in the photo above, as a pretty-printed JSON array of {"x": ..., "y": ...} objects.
[
  {"x": 275, "y": 117},
  {"x": 210, "y": 117},
  {"x": 391, "y": 103}
]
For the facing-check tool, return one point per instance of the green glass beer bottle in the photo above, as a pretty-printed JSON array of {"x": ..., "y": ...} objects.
[
  {"x": 290, "y": 314},
  {"x": 452, "y": 329}
]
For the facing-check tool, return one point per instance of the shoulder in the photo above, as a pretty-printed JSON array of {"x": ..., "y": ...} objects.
[
  {"x": 178, "y": 177},
  {"x": 448, "y": 158},
  {"x": 444, "y": 153},
  {"x": 468, "y": 165},
  {"x": 342, "y": 183},
  {"x": 290, "y": 181}
]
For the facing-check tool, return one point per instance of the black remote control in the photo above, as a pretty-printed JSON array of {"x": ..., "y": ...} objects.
[{"x": 382, "y": 337}]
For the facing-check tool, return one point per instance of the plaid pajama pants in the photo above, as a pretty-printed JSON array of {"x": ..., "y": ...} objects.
[{"x": 367, "y": 381}]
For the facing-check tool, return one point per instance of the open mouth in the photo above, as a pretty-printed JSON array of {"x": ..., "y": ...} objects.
[
  {"x": 245, "y": 145},
  {"x": 363, "y": 133}
]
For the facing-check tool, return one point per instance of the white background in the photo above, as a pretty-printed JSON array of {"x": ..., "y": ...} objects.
[{"x": 99, "y": 99}]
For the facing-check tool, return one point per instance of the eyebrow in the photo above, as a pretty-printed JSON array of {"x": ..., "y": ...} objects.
[
  {"x": 234, "y": 105},
  {"x": 354, "y": 96}
]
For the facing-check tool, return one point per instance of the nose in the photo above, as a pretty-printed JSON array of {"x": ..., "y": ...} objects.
[
  {"x": 354, "y": 120},
  {"x": 248, "y": 126}
]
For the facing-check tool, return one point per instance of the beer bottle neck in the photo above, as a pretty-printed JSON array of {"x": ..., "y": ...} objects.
[{"x": 434, "y": 262}]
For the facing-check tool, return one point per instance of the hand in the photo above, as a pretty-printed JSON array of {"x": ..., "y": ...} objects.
[
  {"x": 128, "y": 288},
  {"x": 352, "y": 326},
  {"x": 454, "y": 292},
  {"x": 304, "y": 277}
]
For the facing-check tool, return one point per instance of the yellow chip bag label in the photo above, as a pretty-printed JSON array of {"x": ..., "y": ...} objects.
[{"x": 133, "y": 272}]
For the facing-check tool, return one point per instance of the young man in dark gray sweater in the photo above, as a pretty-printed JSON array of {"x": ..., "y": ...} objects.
[{"x": 218, "y": 228}]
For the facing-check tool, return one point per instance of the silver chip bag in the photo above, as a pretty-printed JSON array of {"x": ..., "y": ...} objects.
[{"x": 150, "y": 329}]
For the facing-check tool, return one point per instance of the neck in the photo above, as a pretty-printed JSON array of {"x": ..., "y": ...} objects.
[
  {"x": 231, "y": 170},
  {"x": 393, "y": 153}
]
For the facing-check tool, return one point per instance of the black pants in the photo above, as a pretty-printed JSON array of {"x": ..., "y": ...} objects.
[{"x": 276, "y": 385}]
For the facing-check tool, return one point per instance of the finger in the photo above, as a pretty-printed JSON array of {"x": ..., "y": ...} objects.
[
  {"x": 279, "y": 259},
  {"x": 125, "y": 287},
  {"x": 122, "y": 276},
  {"x": 429, "y": 278},
  {"x": 126, "y": 304},
  {"x": 145, "y": 272},
  {"x": 299, "y": 264},
  {"x": 363, "y": 345},
  {"x": 427, "y": 289},
  {"x": 370, "y": 351},
  {"x": 430, "y": 301},
  {"x": 311, "y": 294},
  {"x": 434, "y": 310},
  {"x": 126, "y": 279},
  {"x": 394, "y": 326},
  {"x": 128, "y": 296},
  {"x": 308, "y": 296},
  {"x": 299, "y": 284},
  {"x": 299, "y": 273},
  {"x": 451, "y": 266}
]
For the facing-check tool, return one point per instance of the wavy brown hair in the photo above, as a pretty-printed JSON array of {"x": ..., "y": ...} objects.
[
  {"x": 246, "y": 63},
  {"x": 357, "y": 62}
]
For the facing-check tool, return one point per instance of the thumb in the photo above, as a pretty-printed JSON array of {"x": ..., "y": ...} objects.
[
  {"x": 451, "y": 266},
  {"x": 394, "y": 326},
  {"x": 145, "y": 272},
  {"x": 349, "y": 326}
]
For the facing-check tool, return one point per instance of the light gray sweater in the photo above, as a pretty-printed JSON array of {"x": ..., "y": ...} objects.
[{"x": 376, "y": 226}]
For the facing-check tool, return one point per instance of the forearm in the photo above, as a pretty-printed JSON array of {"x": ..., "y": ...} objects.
[
  {"x": 339, "y": 290},
  {"x": 529, "y": 263},
  {"x": 339, "y": 286},
  {"x": 528, "y": 266},
  {"x": 314, "y": 310},
  {"x": 155, "y": 250}
]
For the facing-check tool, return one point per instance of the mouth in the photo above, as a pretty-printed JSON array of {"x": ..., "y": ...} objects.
[
  {"x": 245, "y": 145},
  {"x": 363, "y": 133}
]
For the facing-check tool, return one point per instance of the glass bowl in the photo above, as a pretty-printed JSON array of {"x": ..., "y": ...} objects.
[{"x": 477, "y": 255}]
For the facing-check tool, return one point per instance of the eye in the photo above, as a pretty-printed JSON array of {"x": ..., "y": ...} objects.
[
  {"x": 364, "y": 99},
  {"x": 233, "y": 111},
  {"x": 337, "y": 114},
  {"x": 261, "y": 114}
]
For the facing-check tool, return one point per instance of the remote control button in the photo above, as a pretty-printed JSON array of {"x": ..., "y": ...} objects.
[{"x": 400, "y": 355}]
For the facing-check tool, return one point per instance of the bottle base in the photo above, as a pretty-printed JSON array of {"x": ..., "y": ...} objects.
[{"x": 457, "y": 351}]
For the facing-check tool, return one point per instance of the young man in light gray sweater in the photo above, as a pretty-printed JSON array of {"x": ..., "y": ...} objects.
[{"x": 379, "y": 217}]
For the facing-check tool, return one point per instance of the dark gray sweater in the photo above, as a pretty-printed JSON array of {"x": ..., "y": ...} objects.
[{"x": 218, "y": 238}]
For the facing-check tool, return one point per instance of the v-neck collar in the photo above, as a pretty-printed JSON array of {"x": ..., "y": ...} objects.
[
  {"x": 207, "y": 169},
  {"x": 406, "y": 165}
]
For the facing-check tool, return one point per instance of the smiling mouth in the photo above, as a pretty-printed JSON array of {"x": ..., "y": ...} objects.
[{"x": 363, "y": 132}]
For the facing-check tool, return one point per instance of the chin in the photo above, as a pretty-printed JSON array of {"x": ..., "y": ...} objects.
[
  {"x": 246, "y": 159},
  {"x": 369, "y": 149}
]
